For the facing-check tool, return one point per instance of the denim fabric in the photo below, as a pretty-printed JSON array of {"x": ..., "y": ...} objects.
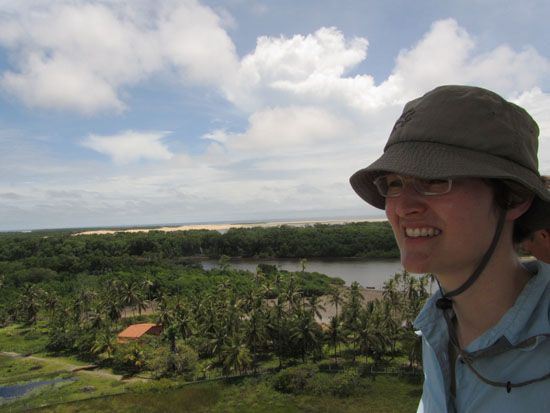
[{"x": 529, "y": 317}]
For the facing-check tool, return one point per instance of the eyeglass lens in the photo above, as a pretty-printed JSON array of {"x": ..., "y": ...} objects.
[{"x": 392, "y": 185}]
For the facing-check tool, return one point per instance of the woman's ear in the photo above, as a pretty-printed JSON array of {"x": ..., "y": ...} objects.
[{"x": 518, "y": 209}]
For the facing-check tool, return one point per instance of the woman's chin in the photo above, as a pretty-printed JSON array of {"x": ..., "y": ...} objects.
[{"x": 415, "y": 266}]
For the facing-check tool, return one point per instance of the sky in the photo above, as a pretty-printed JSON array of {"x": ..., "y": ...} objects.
[{"x": 134, "y": 112}]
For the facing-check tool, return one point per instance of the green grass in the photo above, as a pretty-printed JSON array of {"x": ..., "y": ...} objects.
[
  {"x": 386, "y": 394},
  {"x": 18, "y": 370},
  {"x": 198, "y": 398},
  {"x": 24, "y": 340}
]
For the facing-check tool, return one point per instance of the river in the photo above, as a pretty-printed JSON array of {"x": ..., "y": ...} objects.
[{"x": 368, "y": 273}]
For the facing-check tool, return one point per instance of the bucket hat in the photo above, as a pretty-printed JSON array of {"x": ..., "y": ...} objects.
[{"x": 460, "y": 131}]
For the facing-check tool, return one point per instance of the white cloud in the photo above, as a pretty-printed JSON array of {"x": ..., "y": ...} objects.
[
  {"x": 130, "y": 146},
  {"x": 446, "y": 55},
  {"x": 193, "y": 40},
  {"x": 312, "y": 120},
  {"x": 537, "y": 103},
  {"x": 62, "y": 85},
  {"x": 217, "y": 135},
  {"x": 290, "y": 129},
  {"x": 74, "y": 55},
  {"x": 288, "y": 66},
  {"x": 313, "y": 70}
]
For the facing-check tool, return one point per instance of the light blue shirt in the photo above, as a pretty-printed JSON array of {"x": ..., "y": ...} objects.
[{"x": 529, "y": 317}]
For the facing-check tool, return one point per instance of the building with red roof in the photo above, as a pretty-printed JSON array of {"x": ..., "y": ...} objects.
[{"x": 136, "y": 331}]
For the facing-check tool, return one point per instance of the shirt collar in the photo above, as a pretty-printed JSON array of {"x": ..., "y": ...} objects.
[{"x": 519, "y": 322}]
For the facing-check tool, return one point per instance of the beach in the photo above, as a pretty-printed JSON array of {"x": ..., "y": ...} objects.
[{"x": 225, "y": 227}]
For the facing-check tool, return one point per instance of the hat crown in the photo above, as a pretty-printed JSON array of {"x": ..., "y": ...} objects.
[{"x": 470, "y": 118}]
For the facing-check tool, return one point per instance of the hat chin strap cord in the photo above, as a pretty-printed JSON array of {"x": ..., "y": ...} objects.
[{"x": 445, "y": 303}]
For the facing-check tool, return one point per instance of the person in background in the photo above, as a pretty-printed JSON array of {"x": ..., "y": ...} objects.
[
  {"x": 457, "y": 179},
  {"x": 537, "y": 242}
]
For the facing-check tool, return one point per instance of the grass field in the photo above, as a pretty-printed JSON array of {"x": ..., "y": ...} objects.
[
  {"x": 23, "y": 340},
  {"x": 22, "y": 370},
  {"x": 385, "y": 395},
  {"x": 96, "y": 392}
]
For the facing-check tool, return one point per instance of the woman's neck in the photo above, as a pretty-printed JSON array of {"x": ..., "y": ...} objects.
[{"x": 482, "y": 305}]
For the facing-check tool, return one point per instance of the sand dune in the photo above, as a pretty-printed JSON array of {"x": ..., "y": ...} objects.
[{"x": 225, "y": 227}]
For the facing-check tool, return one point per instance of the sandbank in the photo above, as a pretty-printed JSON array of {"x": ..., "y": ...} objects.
[{"x": 225, "y": 227}]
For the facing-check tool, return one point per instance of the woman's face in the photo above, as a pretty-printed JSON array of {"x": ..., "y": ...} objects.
[{"x": 443, "y": 234}]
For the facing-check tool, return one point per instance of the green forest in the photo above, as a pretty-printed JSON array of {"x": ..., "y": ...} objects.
[{"x": 67, "y": 295}]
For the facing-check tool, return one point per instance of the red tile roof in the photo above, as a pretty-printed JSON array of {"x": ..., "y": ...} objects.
[{"x": 137, "y": 330}]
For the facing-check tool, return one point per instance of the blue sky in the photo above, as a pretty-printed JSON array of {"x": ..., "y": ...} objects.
[{"x": 133, "y": 112}]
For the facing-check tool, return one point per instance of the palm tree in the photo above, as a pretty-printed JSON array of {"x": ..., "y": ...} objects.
[
  {"x": 183, "y": 320},
  {"x": 29, "y": 303},
  {"x": 255, "y": 331},
  {"x": 50, "y": 302},
  {"x": 276, "y": 320},
  {"x": 94, "y": 317},
  {"x": 315, "y": 307},
  {"x": 305, "y": 332},
  {"x": 278, "y": 326},
  {"x": 165, "y": 313},
  {"x": 371, "y": 337},
  {"x": 131, "y": 293},
  {"x": 351, "y": 311},
  {"x": 336, "y": 298},
  {"x": 292, "y": 295},
  {"x": 232, "y": 314},
  {"x": 170, "y": 334},
  {"x": 113, "y": 308},
  {"x": 134, "y": 357},
  {"x": 235, "y": 356},
  {"x": 104, "y": 344},
  {"x": 334, "y": 336}
]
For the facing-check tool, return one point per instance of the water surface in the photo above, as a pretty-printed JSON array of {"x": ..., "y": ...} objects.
[
  {"x": 368, "y": 273},
  {"x": 19, "y": 390}
]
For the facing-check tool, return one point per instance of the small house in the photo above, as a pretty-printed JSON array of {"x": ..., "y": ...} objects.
[{"x": 136, "y": 331}]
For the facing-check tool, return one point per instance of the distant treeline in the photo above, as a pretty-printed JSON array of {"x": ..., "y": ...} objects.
[
  {"x": 67, "y": 263},
  {"x": 367, "y": 239}
]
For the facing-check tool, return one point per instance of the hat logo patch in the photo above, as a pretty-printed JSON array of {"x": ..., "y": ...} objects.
[{"x": 404, "y": 118}]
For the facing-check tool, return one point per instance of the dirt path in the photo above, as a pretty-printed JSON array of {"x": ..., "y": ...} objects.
[{"x": 91, "y": 370}]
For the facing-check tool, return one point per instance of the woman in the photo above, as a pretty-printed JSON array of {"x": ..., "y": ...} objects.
[{"x": 457, "y": 179}]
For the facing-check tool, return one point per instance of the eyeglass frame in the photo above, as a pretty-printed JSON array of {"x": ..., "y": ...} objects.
[{"x": 416, "y": 185}]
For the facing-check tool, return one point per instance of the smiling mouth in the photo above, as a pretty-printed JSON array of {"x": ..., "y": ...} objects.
[{"x": 422, "y": 232}]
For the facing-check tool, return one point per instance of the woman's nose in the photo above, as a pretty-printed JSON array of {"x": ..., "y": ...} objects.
[{"x": 408, "y": 203}]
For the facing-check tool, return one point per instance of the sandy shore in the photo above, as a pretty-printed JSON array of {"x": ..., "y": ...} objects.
[
  {"x": 225, "y": 227},
  {"x": 330, "y": 309}
]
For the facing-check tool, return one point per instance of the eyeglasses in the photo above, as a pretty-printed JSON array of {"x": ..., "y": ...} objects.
[{"x": 392, "y": 185}]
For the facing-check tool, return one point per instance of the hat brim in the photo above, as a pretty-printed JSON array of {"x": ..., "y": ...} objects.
[{"x": 430, "y": 160}]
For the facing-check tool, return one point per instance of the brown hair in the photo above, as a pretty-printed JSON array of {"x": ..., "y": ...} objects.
[{"x": 508, "y": 194}]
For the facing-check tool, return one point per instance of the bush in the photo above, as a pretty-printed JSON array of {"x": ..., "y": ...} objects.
[
  {"x": 293, "y": 380},
  {"x": 345, "y": 384},
  {"x": 129, "y": 358},
  {"x": 165, "y": 363},
  {"x": 306, "y": 380}
]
